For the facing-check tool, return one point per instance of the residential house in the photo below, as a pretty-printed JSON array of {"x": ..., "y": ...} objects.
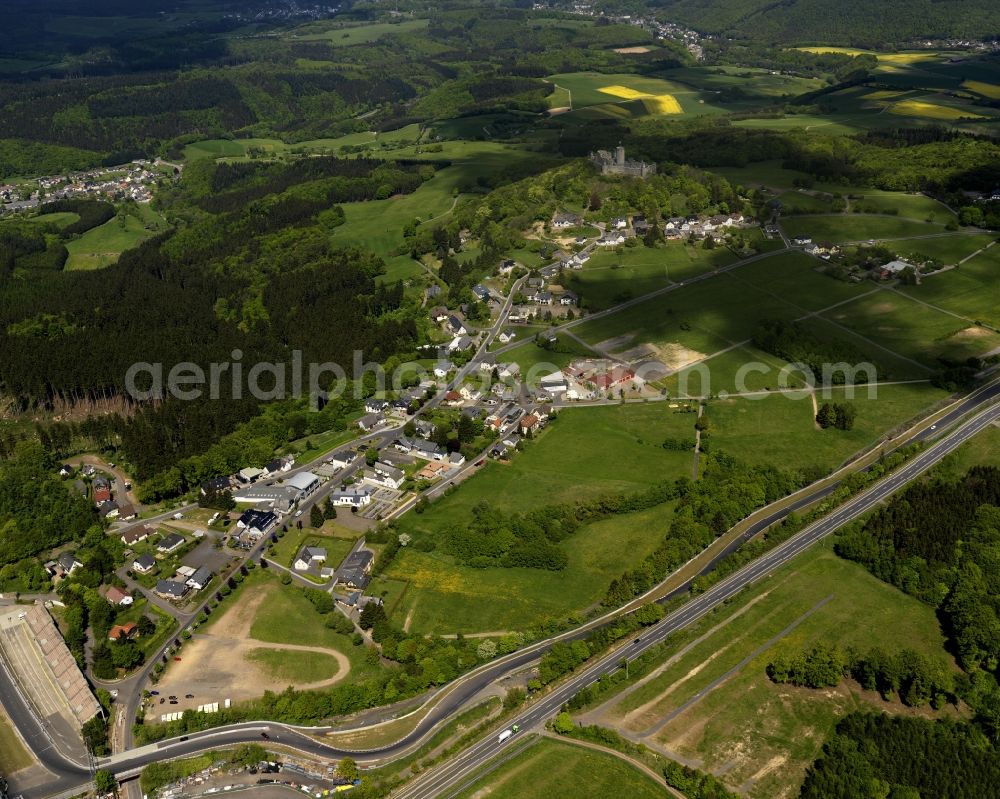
[
  {"x": 137, "y": 534},
  {"x": 373, "y": 405},
  {"x": 123, "y": 632},
  {"x": 170, "y": 543},
  {"x": 354, "y": 571},
  {"x": 535, "y": 283},
  {"x": 481, "y": 292},
  {"x": 353, "y": 497},
  {"x": 427, "y": 450},
  {"x": 460, "y": 344},
  {"x": 277, "y": 466},
  {"x": 126, "y": 511},
  {"x": 433, "y": 291},
  {"x": 65, "y": 470},
  {"x": 439, "y": 314},
  {"x": 541, "y": 298},
  {"x": 506, "y": 267},
  {"x": 68, "y": 563},
  {"x": 801, "y": 240},
  {"x": 507, "y": 336},
  {"x": 107, "y": 510},
  {"x": 102, "y": 494},
  {"x": 565, "y": 220},
  {"x": 370, "y": 421},
  {"x": 257, "y": 523},
  {"x": 456, "y": 325},
  {"x": 529, "y": 424},
  {"x": 144, "y": 564},
  {"x": 469, "y": 393},
  {"x": 389, "y": 475},
  {"x": 201, "y": 577},
  {"x": 508, "y": 370},
  {"x": 453, "y": 399},
  {"x": 310, "y": 559},
  {"x": 568, "y": 298},
  {"x": 425, "y": 428},
  {"x": 456, "y": 459},
  {"x": 619, "y": 223},
  {"x": 215, "y": 485},
  {"x": 341, "y": 460},
  {"x": 442, "y": 368},
  {"x": 172, "y": 590},
  {"x": 116, "y": 596},
  {"x": 610, "y": 239}
]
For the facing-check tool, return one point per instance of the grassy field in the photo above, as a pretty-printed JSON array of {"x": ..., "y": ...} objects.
[
  {"x": 793, "y": 276},
  {"x": 378, "y": 224},
  {"x": 842, "y": 228},
  {"x": 805, "y": 122},
  {"x": 550, "y": 769},
  {"x": 444, "y": 597},
  {"x": 695, "y": 321},
  {"x": 536, "y": 361},
  {"x": 914, "y": 330},
  {"x": 726, "y": 372},
  {"x": 60, "y": 219},
  {"x": 569, "y": 461},
  {"x": 780, "y": 429},
  {"x": 912, "y": 206},
  {"x": 949, "y": 250},
  {"x": 759, "y": 737},
  {"x": 888, "y": 364},
  {"x": 101, "y": 246},
  {"x": 609, "y": 278},
  {"x": 286, "y": 667},
  {"x": 761, "y": 173},
  {"x": 982, "y": 449},
  {"x": 346, "y": 36},
  {"x": 13, "y": 755},
  {"x": 972, "y": 290}
]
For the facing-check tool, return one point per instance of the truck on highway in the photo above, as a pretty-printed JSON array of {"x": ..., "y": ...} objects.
[{"x": 507, "y": 734}]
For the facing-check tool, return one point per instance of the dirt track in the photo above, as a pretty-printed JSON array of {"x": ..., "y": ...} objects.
[{"x": 215, "y": 665}]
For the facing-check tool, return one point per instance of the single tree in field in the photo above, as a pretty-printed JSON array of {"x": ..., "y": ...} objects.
[{"x": 315, "y": 517}]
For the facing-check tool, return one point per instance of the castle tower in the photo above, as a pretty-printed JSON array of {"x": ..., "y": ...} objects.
[{"x": 620, "y": 155}]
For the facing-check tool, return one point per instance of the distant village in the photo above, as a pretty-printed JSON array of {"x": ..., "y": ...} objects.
[{"x": 134, "y": 181}]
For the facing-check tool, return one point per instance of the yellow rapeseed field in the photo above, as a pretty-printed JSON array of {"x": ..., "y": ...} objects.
[
  {"x": 655, "y": 103},
  {"x": 622, "y": 91},
  {"x": 990, "y": 90},
  {"x": 890, "y": 58},
  {"x": 882, "y": 95},
  {"x": 918, "y": 108}
]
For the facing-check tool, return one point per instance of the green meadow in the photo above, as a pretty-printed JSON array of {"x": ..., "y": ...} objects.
[
  {"x": 757, "y": 736},
  {"x": 971, "y": 290},
  {"x": 550, "y": 769},
  {"x": 841, "y": 228},
  {"x": 101, "y": 246},
  {"x": 781, "y": 429}
]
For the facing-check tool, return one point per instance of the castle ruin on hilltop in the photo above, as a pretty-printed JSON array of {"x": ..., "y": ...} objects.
[{"x": 616, "y": 164}]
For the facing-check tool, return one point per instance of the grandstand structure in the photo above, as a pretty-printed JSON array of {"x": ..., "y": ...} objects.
[{"x": 35, "y": 655}]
